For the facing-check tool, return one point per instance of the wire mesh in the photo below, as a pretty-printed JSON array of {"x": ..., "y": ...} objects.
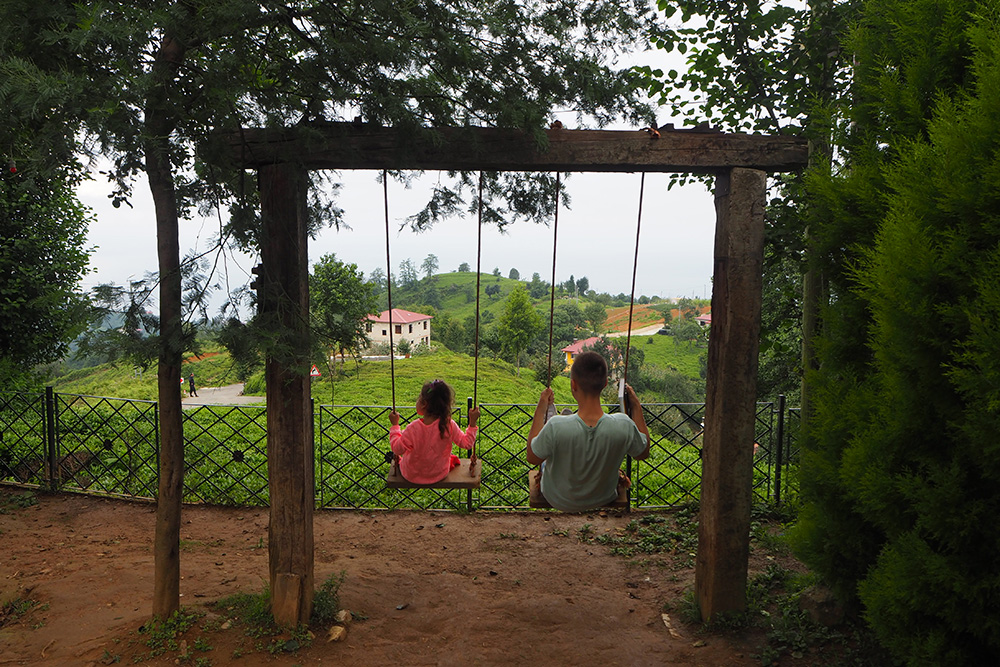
[{"x": 22, "y": 439}]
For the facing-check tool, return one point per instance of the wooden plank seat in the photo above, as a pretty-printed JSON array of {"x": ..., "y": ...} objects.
[
  {"x": 463, "y": 476},
  {"x": 537, "y": 500}
]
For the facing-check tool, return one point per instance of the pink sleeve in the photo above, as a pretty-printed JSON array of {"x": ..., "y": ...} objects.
[
  {"x": 398, "y": 441},
  {"x": 464, "y": 440}
]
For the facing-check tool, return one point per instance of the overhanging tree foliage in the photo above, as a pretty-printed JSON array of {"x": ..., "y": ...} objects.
[
  {"x": 775, "y": 67},
  {"x": 43, "y": 255},
  {"x": 42, "y": 259}
]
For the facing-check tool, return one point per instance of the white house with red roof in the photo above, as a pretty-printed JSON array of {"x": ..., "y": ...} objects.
[
  {"x": 704, "y": 320},
  {"x": 415, "y": 328},
  {"x": 577, "y": 347}
]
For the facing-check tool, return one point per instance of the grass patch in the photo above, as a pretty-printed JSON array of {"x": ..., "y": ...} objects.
[
  {"x": 15, "y": 610},
  {"x": 11, "y": 501},
  {"x": 252, "y": 612},
  {"x": 161, "y": 636},
  {"x": 675, "y": 535}
]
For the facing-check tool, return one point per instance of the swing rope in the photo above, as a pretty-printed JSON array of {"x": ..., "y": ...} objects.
[
  {"x": 635, "y": 265},
  {"x": 479, "y": 262},
  {"x": 552, "y": 290},
  {"x": 388, "y": 286}
]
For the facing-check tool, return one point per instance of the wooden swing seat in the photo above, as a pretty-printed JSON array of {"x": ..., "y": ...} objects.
[
  {"x": 463, "y": 476},
  {"x": 537, "y": 500}
]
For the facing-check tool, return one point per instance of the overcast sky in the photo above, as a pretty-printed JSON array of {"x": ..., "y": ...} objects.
[{"x": 596, "y": 235}]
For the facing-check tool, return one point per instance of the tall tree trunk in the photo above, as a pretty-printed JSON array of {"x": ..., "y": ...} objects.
[{"x": 159, "y": 122}]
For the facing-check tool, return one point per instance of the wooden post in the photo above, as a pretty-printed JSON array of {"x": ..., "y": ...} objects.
[
  {"x": 284, "y": 307},
  {"x": 727, "y": 457}
]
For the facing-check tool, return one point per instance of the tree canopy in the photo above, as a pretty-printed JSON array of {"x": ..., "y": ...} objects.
[
  {"x": 340, "y": 302},
  {"x": 518, "y": 324}
]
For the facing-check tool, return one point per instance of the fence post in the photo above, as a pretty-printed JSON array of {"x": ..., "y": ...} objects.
[
  {"x": 781, "y": 445},
  {"x": 156, "y": 446},
  {"x": 50, "y": 439},
  {"x": 312, "y": 437}
]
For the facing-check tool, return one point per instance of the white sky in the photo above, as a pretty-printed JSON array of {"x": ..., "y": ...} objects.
[{"x": 596, "y": 235}]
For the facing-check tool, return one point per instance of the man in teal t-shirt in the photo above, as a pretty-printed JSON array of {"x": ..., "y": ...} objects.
[{"x": 582, "y": 453}]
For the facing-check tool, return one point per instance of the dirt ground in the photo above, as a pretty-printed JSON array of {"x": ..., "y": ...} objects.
[{"x": 425, "y": 589}]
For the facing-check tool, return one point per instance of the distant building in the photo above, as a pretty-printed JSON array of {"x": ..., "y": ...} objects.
[
  {"x": 414, "y": 328},
  {"x": 704, "y": 320},
  {"x": 577, "y": 347}
]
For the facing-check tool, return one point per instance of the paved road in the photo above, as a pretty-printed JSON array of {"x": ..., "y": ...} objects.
[
  {"x": 231, "y": 394},
  {"x": 645, "y": 331}
]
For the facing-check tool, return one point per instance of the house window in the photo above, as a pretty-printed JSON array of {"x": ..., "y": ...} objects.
[
  {"x": 368, "y": 327},
  {"x": 425, "y": 325},
  {"x": 399, "y": 328},
  {"x": 384, "y": 332},
  {"x": 411, "y": 329}
]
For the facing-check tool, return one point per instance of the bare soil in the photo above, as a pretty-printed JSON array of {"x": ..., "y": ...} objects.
[{"x": 425, "y": 589}]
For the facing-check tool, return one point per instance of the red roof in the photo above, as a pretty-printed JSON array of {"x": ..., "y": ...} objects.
[
  {"x": 577, "y": 347},
  {"x": 706, "y": 318},
  {"x": 399, "y": 316}
]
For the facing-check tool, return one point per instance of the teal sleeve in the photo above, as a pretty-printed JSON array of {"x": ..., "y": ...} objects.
[
  {"x": 541, "y": 445},
  {"x": 637, "y": 441}
]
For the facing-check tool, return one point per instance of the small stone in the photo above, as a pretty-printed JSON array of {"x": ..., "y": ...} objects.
[
  {"x": 700, "y": 643},
  {"x": 226, "y": 625},
  {"x": 343, "y": 617},
  {"x": 338, "y": 633},
  {"x": 822, "y": 606}
]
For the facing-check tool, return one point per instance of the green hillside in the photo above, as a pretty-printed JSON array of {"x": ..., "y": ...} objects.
[
  {"x": 455, "y": 294},
  {"x": 370, "y": 383},
  {"x": 212, "y": 369}
]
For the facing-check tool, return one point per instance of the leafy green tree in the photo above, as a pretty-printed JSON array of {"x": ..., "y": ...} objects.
[
  {"x": 464, "y": 267},
  {"x": 44, "y": 93},
  {"x": 407, "y": 273},
  {"x": 43, "y": 256},
  {"x": 244, "y": 350},
  {"x": 340, "y": 301},
  {"x": 596, "y": 315},
  {"x": 538, "y": 288},
  {"x": 582, "y": 285},
  {"x": 403, "y": 346},
  {"x": 496, "y": 271},
  {"x": 687, "y": 308},
  {"x": 492, "y": 291},
  {"x": 518, "y": 324},
  {"x": 688, "y": 331},
  {"x": 452, "y": 333},
  {"x": 429, "y": 265},
  {"x": 898, "y": 480},
  {"x": 566, "y": 320},
  {"x": 514, "y": 274}
]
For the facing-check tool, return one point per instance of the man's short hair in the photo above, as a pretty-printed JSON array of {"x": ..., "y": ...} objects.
[{"x": 590, "y": 371}]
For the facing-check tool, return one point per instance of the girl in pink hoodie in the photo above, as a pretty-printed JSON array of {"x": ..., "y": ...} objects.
[{"x": 424, "y": 448}]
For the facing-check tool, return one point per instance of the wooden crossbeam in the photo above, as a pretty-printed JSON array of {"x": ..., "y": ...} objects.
[{"x": 365, "y": 146}]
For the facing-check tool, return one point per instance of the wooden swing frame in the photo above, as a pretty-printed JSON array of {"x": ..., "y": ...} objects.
[{"x": 740, "y": 164}]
